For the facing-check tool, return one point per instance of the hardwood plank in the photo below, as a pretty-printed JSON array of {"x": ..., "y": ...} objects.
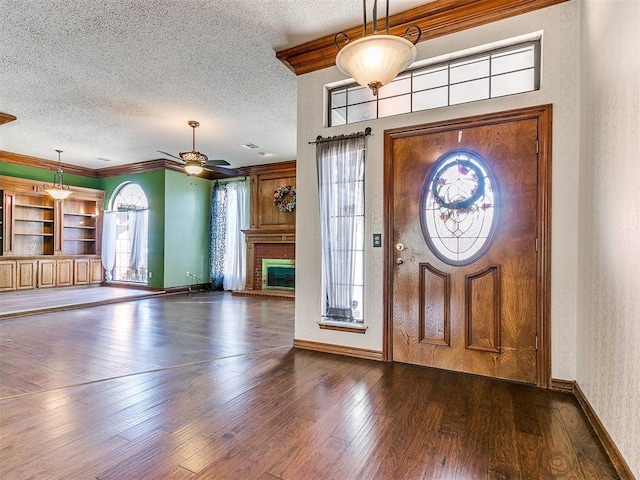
[{"x": 207, "y": 386}]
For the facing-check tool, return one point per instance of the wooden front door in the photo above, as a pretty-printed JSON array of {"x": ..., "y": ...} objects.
[{"x": 464, "y": 258}]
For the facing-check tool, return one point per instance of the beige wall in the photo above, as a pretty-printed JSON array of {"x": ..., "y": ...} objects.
[
  {"x": 608, "y": 313},
  {"x": 559, "y": 86}
]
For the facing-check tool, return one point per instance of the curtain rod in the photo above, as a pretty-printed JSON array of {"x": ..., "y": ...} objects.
[
  {"x": 321, "y": 139},
  {"x": 229, "y": 180}
]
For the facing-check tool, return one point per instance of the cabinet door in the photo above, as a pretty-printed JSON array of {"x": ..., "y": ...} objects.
[
  {"x": 64, "y": 273},
  {"x": 26, "y": 274},
  {"x": 81, "y": 272},
  {"x": 96, "y": 270},
  {"x": 46, "y": 273},
  {"x": 7, "y": 275}
]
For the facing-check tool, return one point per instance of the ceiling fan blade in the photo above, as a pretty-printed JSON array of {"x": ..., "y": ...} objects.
[
  {"x": 227, "y": 172},
  {"x": 215, "y": 162},
  {"x": 169, "y": 155}
]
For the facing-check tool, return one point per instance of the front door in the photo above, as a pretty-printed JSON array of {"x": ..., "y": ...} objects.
[{"x": 464, "y": 248}]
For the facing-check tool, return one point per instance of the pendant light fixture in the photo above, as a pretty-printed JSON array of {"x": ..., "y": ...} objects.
[
  {"x": 58, "y": 190},
  {"x": 375, "y": 60},
  {"x": 194, "y": 161}
]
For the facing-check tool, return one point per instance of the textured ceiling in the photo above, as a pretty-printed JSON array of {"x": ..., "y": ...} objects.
[{"x": 111, "y": 82}]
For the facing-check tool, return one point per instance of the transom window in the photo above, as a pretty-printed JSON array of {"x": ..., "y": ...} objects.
[
  {"x": 458, "y": 208},
  {"x": 505, "y": 71}
]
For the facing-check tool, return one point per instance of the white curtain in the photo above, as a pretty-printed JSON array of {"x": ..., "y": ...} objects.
[
  {"x": 340, "y": 165},
  {"x": 235, "y": 252},
  {"x": 136, "y": 237},
  {"x": 108, "y": 243}
]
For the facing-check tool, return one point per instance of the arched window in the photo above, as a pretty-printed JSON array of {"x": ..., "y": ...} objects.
[{"x": 130, "y": 209}]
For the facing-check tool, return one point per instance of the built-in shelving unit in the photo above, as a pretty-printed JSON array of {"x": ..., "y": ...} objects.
[
  {"x": 33, "y": 224},
  {"x": 1, "y": 221},
  {"x": 46, "y": 242},
  {"x": 79, "y": 227}
]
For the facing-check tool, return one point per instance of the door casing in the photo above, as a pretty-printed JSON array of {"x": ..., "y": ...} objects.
[{"x": 543, "y": 114}]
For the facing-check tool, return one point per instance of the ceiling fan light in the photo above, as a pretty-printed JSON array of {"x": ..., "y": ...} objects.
[
  {"x": 193, "y": 167},
  {"x": 376, "y": 60}
]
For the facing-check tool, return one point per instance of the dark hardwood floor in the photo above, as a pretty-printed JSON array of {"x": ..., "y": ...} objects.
[{"x": 207, "y": 386}]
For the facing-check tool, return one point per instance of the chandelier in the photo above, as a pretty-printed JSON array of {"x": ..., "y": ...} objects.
[
  {"x": 194, "y": 161},
  {"x": 58, "y": 190},
  {"x": 375, "y": 60}
]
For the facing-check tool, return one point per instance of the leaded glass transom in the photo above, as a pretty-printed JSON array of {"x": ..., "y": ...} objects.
[{"x": 459, "y": 208}]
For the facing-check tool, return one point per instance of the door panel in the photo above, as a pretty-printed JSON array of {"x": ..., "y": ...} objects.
[{"x": 478, "y": 317}]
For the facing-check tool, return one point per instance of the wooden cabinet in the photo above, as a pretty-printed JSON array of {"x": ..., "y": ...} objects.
[
  {"x": 7, "y": 275},
  {"x": 81, "y": 271},
  {"x": 64, "y": 273},
  {"x": 46, "y": 273},
  {"x": 96, "y": 270},
  {"x": 26, "y": 271}
]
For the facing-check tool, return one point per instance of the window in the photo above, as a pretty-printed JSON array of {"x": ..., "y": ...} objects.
[
  {"x": 341, "y": 189},
  {"x": 131, "y": 212},
  {"x": 458, "y": 208},
  {"x": 505, "y": 71}
]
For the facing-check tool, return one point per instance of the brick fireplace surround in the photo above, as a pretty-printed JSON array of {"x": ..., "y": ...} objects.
[{"x": 266, "y": 244}]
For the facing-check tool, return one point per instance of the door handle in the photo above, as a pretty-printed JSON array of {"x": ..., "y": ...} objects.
[{"x": 399, "y": 262}]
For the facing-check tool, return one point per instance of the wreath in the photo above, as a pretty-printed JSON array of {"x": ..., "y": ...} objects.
[
  {"x": 458, "y": 203},
  {"x": 284, "y": 198}
]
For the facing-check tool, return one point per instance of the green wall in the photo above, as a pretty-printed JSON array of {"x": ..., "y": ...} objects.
[
  {"x": 186, "y": 234},
  {"x": 45, "y": 175}
]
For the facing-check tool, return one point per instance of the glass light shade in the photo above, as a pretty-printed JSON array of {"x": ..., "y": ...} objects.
[
  {"x": 193, "y": 167},
  {"x": 376, "y": 60},
  {"x": 58, "y": 193}
]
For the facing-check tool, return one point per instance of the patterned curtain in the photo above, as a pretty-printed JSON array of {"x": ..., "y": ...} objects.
[{"x": 218, "y": 233}]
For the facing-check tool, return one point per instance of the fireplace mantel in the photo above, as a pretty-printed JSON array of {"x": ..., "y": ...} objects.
[{"x": 261, "y": 236}]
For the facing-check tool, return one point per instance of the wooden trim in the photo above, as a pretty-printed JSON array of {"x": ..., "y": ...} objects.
[
  {"x": 117, "y": 170},
  {"x": 558, "y": 385},
  {"x": 618, "y": 461},
  {"x": 270, "y": 168},
  {"x": 41, "y": 163},
  {"x": 338, "y": 349},
  {"x": 275, "y": 294},
  {"x": 158, "y": 164},
  {"x": 543, "y": 114},
  {"x": 435, "y": 19},
  {"x": 6, "y": 118},
  {"x": 342, "y": 328}
]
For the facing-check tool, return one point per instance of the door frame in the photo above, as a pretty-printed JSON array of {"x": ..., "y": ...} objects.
[{"x": 543, "y": 114}]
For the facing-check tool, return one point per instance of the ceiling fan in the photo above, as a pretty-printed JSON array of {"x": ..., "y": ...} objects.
[{"x": 194, "y": 162}]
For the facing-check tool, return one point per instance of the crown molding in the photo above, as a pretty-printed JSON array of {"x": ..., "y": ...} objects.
[
  {"x": 6, "y": 118},
  {"x": 217, "y": 173},
  {"x": 36, "y": 162},
  {"x": 435, "y": 19}
]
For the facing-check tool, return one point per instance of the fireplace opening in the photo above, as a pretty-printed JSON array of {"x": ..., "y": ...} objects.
[{"x": 278, "y": 274}]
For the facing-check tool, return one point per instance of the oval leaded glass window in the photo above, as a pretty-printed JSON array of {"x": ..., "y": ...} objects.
[{"x": 458, "y": 208}]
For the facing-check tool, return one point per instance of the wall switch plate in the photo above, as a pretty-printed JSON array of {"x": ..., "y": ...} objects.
[{"x": 377, "y": 239}]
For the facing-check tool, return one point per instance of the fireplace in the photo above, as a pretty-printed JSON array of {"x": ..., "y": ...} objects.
[{"x": 278, "y": 274}]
